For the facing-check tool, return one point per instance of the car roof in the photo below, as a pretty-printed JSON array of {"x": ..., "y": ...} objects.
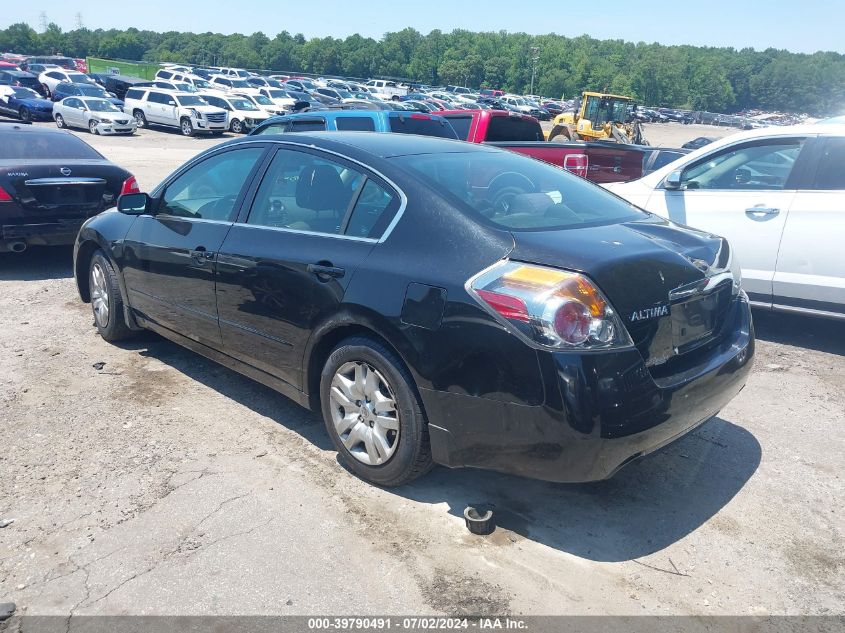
[
  {"x": 17, "y": 126},
  {"x": 380, "y": 145}
]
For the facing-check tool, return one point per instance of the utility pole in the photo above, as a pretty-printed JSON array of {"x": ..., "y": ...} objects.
[
  {"x": 42, "y": 20},
  {"x": 535, "y": 55},
  {"x": 79, "y": 25}
]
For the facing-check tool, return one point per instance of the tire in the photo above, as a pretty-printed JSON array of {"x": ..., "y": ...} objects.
[
  {"x": 140, "y": 118},
  {"x": 106, "y": 299},
  {"x": 25, "y": 114},
  {"x": 60, "y": 121},
  {"x": 47, "y": 93},
  {"x": 92, "y": 127},
  {"x": 236, "y": 127},
  {"x": 405, "y": 453},
  {"x": 186, "y": 127}
]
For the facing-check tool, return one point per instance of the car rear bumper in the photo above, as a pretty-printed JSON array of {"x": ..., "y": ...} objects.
[
  {"x": 56, "y": 233},
  {"x": 601, "y": 411}
]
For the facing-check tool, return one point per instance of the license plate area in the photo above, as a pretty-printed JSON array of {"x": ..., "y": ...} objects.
[{"x": 694, "y": 320}]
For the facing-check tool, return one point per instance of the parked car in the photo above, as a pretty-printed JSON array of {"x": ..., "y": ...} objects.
[
  {"x": 64, "y": 90},
  {"x": 98, "y": 116},
  {"x": 234, "y": 72},
  {"x": 233, "y": 84},
  {"x": 243, "y": 114},
  {"x": 188, "y": 112},
  {"x": 37, "y": 70},
  {"x": 57, "y": 61},
  {"x": 52, "y": 78},
  {"x": 19, "y": 79},
  {"x": 198, "y": 83},
  {"x": 300, "y": 85},
  {"x": 487, "y": 92},
  {"x": 777, "y": 194},
  {"x": 262, "y": 102},
  {"x": 344, "y": 96},
  {"x": 386, "y": 90},
  {"x": 263, "y": 82},
  {"x": 50, "y": 182},
  {"x": 359, "y": 121},
  {"x": 699, "y": 142},
  {"x": 375, "y": 278},
  {"x": 119, "y": 84},
  {"x": 25, "y": 103},
  {"x": 480, "y": 126},
  {"x": 281, "y": 98}
]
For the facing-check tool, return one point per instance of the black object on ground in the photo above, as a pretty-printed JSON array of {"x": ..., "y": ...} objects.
[{"x": 479, "y": 519}]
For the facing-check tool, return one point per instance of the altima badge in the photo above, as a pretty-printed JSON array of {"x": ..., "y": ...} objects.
[{"x": 649, "y": 313}]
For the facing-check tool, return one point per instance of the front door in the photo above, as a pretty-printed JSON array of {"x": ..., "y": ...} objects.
[
  {"x": 742, "y": 192},
  {"x": 169, "y": 258},
  {"x": 285, "y": 269}
]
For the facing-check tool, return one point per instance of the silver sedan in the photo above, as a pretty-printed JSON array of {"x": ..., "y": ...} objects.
[{"x": 98, "y": 116}]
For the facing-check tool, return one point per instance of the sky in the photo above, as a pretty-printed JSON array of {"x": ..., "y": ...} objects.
[{"x": 804, "y": 27}]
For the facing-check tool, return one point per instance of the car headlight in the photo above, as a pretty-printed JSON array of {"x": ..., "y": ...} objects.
[
  {"x": 196, "y": 113},
  {"x": 549, "y": 308}
]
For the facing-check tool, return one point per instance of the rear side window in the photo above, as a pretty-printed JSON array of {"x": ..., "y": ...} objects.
[
  {"x": 163, "y": 74},
  {"x": 831, "y": 175},
  {"x": 505, "y": 128},
  {"x": 273, "y": 128},
  {"x": 421, "y": 124},
  {"x": 373, "y": 211},
  {"x": 17, "y": 145},
  {"x": 356, "y": 124},
  {"x": 461, "y": 125},
  {"x": 307, "y": 126},
  {"x": 134, "y": 93}
]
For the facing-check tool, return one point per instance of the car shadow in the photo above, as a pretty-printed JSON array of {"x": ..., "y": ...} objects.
[
  {"x": 36, "y": 263},
  {"x": 816, "y": 333},
  {"x": 245, "y": 391},
  {"x": 649, "y": 505}
]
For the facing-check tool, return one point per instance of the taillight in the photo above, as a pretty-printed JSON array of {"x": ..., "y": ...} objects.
[
  {"x": 578, "y": 164},
  {"x": 4, "y": 195},
  {"x": 130, "y": 185},
  {"x": 420, "y": 116},
  {"x": 552, "y": 308}
]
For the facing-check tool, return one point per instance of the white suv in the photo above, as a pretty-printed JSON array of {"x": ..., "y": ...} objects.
[
  {"x": 233, "y": 84},
  {"x": 186, "y": 78},
  {"x": 243, "y": 113},
  {"x": 186, "y": 111}
]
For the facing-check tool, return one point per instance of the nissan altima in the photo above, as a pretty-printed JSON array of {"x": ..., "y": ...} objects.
[{"x": 436, "y": 301}]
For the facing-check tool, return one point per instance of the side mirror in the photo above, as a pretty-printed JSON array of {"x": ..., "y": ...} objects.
[
  {"x": 171, "y": 103},
  {"x": 134, "y": 203},
  {"x": 673, "y": 180}
]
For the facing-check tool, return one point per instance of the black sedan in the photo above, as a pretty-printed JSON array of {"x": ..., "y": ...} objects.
[
  {"x": 50, "y": 183},
  {"x": 698, "y": 143},
  {"x": 437, "y": 301}
]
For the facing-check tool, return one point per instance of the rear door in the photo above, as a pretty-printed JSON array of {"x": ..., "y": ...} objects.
[
  {"x": 169, "y": 258},
  {"x": 155, "y": 105},
  {"x": 285, "y": 267},
  {"x": 742, "y": 192},
  {"x": 810, "y": 272}
]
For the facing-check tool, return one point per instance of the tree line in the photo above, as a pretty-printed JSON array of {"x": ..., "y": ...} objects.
[{"x": 694, "y": 77}]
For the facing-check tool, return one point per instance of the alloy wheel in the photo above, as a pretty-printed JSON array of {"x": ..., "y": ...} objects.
[
  {"x": 99, "y": 295},
  {"x": 364, "y": 413}
]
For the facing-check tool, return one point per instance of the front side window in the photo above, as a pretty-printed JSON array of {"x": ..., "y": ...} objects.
[
  {"x": 756, "y": 166},
  {"x": 158, "y": 97},
  {"x": 210, "y": 189},
  {"x": 304, "y": 192},
  {"x": 516, "y": 192}
]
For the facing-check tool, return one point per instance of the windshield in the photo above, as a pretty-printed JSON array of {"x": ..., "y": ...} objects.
[
  {"x": 31, "y": 144},
  {"x": 242, "y": 104},
  {"x": 202, "y": 83},
  {"x": 240, "y": 83},
  {"x": 79, "y": 78},
  {"x": 262, "y": 100},
  {"x": 26, "y": 93},
  {"x": 307, "y": 85},
  {"x": 191, "y": 100},
  {"x": 185, "y": 87},
  {"x": 101, "y": 105},
  {"x": 516, "y": 192},
  {"x": 519, "y": 101},
  {"x": 278, "y": 94},
  {"x": 92, "y": 91}
]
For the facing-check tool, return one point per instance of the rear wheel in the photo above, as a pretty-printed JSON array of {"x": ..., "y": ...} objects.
[
  {"x": 186, "y": 127},
  {"x": 60, "y": 121},
  {"x": 373, "y": 413},
  {"x": 25, "y": 114},
  {"x": 106, "y": 299},
  {"x": 140, "y": 118},
  {"x": 46, "y": 90}
]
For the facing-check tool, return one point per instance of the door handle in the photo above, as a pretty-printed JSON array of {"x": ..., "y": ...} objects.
[
  {"x": 200, "y": 255},
  {"x": 762, "y": 211},
  {"x": 326, "y": 271}
]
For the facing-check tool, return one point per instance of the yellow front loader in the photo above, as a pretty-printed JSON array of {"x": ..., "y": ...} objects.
[{"x": 602, "y": 117}]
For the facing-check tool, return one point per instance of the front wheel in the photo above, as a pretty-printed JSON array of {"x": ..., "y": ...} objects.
[
  {"x": 60, "y": 121},
  {"x": 106, "y": 299},
  {"x": 236, "y": 127},
  {"x": 373, "y": 413},
  {"x": 92, "y": 127},
  {"x": 186, "y": 127}
]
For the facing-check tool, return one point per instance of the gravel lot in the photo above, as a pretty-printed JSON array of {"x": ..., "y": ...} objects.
[{"x": 165, "y": 484}]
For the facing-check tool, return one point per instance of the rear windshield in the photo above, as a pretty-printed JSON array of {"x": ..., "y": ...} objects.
[
  {"x": 92, "y": 90},
  {"x": 421, "y": 125},
  {"x": 516, "y": 192},
  {"x": 17, "y": 145},
  {"x": 79, "y": 79},
  {"x": 505, "y": 128},
  {"x": 461, "y": 125}
]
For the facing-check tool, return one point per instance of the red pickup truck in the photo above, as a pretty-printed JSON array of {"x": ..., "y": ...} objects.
[{"x": 597, "y": 161}]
